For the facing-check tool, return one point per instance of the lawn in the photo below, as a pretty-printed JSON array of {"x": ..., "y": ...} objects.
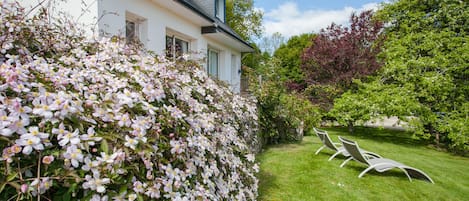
[{"x": 293, "y": 172}]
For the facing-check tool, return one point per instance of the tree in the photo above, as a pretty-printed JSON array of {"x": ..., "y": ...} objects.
[
  {"x": 426, "y": 54},
  {"x": 244, "y": 19},
  {"x": 340, "y": 54},
  {"x": 270, "y": 43},
  {"x": 289, "y": 55}
]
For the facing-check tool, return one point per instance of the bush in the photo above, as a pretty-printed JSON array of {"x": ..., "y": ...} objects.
[
  {"x": 283, "y": 117},
  {"x": 82, "y": 119}
]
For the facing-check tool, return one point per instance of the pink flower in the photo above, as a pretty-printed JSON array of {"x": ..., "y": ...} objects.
[
  {"x": 48, "y": 159},
  {"x": 24, "y": 188}
]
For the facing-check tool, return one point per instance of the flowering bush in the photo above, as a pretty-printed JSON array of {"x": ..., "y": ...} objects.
[{"x": 98, "y": 120}]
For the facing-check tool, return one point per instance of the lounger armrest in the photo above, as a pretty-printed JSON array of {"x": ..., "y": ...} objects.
[{"x": 369, "y": 154}]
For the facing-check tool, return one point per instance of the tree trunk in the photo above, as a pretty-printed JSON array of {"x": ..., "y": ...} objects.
[
  {"x": 437, "y": 135},
  {"x": 350, "y": 126}
]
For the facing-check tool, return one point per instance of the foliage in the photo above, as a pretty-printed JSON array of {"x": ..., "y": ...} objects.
[
  {"x": 426, "y": 56},
  {"x": 269, "y": 44},
  {"x": 244, "y": 19},
  {"x": 89, "y": 119},
  {"x": 292, "y": 171},
  {"x": 289, "y": 55},
  {"x": 256, "y": 59},
  {"x": 456, "y": 124},
  {"x": 371, "y": 101},
  {"x": 340, "y": 54},
  {"x": 283, "y": 117}
]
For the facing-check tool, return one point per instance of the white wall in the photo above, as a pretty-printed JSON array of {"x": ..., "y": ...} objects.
[
  {"x": 83, "y": 12},
  {"x": 111, "y": 15}
]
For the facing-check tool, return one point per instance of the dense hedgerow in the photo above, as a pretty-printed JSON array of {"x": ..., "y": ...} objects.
[{"x": 91, "y": 119}]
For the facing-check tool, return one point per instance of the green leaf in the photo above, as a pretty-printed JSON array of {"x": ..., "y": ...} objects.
[
  {"x": 104, "y": 146},
  {"x": 2, "y": 186},
  {"x": 140, "y": 198},
  {"x": 12, "y": 176},
  {"x": 66, "y": 196}
]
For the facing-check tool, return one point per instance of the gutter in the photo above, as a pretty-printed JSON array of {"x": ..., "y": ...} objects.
[{"x": 215, "y": 28}]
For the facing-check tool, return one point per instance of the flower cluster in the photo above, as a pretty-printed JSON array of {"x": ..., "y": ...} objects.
[{"x": 94, "y": 119}]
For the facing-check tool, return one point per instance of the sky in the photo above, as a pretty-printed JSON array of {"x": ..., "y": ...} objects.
[{"x": 294, "y": 17}]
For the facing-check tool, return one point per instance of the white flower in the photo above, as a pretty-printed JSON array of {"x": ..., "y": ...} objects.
[
  {"x": 154, "y": 191},
  {"x": 176, "y": 147},
  {"x": 74, "y": 155},
  {"x": 96, "y": 183},
  {"x": 28, "y": 142},
  {"x": 250, "y": 157},
  {"x": 132, "y": 197},
  {"x": 123, "y": 119},
  {"x": 43, "y": 109},
  {"x": 130, "y": 142},
  {"x": 139, "y": 187},
  {"x": 97, "y": 197},
  {"x": 34, "y": 130},
  {"x": 90, "y": 137},
  {"x": 18, "y": 124},
  {"x": 107, "y": 158},
  {"x": 90, "y": 165},
  {"x": 175, "y": 112},
  {"x": 73, "y": 138}
]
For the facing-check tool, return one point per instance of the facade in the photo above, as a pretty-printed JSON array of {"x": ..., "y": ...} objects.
[{"x": 171, "y": 27}]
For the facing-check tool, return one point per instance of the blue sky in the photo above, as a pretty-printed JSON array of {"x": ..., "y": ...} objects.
[
  {"x": 293, "y": 17},
  {"x": 313, "y": 4}
]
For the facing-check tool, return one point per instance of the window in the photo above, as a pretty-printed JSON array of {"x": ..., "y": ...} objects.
[
  {"x": 220, "y": 9},
  {"x": 131, "y": 31},
  {"x": 212, "y": 64},
  {"x": 134, "y": 28},
  {"x": 176, "y": 47}
]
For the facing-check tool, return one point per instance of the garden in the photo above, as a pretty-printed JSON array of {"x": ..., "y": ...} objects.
[{"x": 94, "y": 118}]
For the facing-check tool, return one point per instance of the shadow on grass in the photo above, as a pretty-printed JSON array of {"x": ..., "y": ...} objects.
[
  {"x": 380, "y": 135},
  {"x": 397, "y": 173}
]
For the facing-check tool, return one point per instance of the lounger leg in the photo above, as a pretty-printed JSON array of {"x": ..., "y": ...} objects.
[
  {"x": 333, "y": 156},
  {"x": 408, "y": 176},
  {"x": 365, "y": 171},
  {"x": 346, "y": 161},
  {"x": 320, "y": 148}
]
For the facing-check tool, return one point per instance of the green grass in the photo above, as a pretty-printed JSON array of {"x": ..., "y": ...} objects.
[{"x": 293, "y": 172}]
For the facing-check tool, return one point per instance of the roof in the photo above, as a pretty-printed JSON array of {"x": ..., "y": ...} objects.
[{"x": 218, "y": 26}]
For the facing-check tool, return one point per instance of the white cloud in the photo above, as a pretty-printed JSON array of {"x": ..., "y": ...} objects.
[{"x": 288, "y": 20}]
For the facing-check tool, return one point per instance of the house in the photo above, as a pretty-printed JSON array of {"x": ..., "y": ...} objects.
[{"x": 172, "y": 27}]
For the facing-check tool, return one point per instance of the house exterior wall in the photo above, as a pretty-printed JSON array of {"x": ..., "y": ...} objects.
[{"x": 109, "y": 16}]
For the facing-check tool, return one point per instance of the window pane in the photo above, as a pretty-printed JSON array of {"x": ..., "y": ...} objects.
[
  {"x": 130, "y": 31},
  {"x": 169, "y": 46},
  {"x": 213, "y": 63},
  {"x": 182, "y": 47}
]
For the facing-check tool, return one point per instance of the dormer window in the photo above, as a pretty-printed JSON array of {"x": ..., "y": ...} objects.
[{"x": 220, "y": 9}]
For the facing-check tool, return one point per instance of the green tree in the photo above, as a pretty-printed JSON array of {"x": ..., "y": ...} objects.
[
  {"x": 289, "y": 55},
  {"x": 244, "y": 19},
  {"x": 426, "y": 54}
]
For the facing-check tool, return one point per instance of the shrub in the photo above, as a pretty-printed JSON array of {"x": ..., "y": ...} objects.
[
  {"x": 283, "y": 117},
  {"x": 82, "y": 119}
]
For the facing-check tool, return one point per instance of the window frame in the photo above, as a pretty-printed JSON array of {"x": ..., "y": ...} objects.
[
  {"x": 138, "y": 25},
  {"x": 209, "y": 63},
  {"x": 220, "y": 9},
  {"x": 173, "y": 52}
]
